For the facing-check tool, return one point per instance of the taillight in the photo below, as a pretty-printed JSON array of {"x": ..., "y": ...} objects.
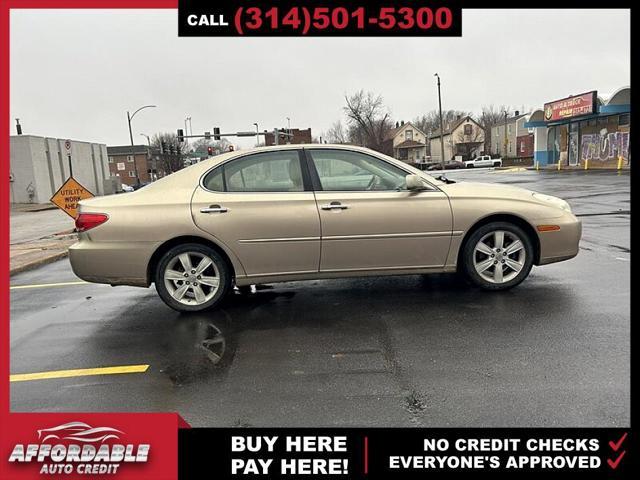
[{"x": 86, "y": 221}]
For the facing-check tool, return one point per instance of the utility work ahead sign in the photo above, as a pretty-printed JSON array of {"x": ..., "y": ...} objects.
[{"x": 68, "y": 196}]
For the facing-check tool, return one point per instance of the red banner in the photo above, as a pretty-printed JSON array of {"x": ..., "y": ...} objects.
[
  {"x": 115, "y": 446},
  {"x": 574, "y": 106}
]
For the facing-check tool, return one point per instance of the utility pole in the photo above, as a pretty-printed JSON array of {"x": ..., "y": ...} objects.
[
  {"x": 441, "y": 123},
  {"x": 289, "y": 129},
  {"x": 506, "y": 138},
  {"x": 257, "y": 134}
]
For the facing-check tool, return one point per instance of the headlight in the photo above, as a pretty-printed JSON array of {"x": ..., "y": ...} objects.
[{"x": 555, "y": 201}]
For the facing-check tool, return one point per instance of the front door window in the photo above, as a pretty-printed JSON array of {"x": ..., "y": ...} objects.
[{"x": 340, "y": 170}]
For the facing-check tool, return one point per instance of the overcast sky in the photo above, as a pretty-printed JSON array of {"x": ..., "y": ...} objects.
[{"x": 75, "y": 73}]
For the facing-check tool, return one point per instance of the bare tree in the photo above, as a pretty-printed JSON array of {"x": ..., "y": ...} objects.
[
  {"x": 368, "y": 120},
  {"x": 171, "y": 151},
  {"x": 336, "y": 133},
  {"x": 202, "y": 145},
  {"x": 430, "y": 122}
]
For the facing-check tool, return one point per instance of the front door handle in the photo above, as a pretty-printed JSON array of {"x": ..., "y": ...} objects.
[
  {"x": 214, "y": 209},
  {"x": 334, "y": 206}
]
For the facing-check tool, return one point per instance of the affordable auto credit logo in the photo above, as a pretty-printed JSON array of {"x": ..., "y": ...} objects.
[{"x": 79, "y": 448}]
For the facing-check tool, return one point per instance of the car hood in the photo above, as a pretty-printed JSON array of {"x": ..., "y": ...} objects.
[{"x": 486, "y": 190}]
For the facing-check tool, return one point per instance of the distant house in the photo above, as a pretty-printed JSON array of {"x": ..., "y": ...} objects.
[
  {"x": 464, "y": 137},
  {"x": 407, "y": 142},
  {"x": 518, "y": 142}
]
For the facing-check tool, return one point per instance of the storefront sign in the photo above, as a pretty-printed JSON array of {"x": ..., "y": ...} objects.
[{"x": 570, "y": 107}]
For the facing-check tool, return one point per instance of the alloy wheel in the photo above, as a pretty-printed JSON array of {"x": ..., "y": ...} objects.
[
  {"x": 499, "y": 256},
  {"x": 192, "y": 278}
]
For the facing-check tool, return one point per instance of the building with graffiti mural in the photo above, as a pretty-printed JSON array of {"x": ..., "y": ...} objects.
[{"x": 584, "y": 128}]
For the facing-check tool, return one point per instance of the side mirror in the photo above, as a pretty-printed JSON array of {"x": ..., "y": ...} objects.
[{"x": 414, "y": 182}]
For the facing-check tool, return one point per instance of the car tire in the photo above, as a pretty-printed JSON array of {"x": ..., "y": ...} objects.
[
  {"x": 494, "y": 264},
  {"x": 496, "y": 164},
  {"x": 194, "y": 289}
]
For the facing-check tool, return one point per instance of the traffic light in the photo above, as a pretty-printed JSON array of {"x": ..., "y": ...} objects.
[
  {"x": 209, "y": 151},
  {"x": 216, "y": 133},
  {"x": 180, "y": 135}
]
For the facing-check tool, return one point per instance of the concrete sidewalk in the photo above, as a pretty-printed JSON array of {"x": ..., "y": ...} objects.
[{"x": 38, "y": 236}]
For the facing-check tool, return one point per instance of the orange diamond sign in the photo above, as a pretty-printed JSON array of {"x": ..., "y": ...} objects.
[{"x": 68, "y": 196}]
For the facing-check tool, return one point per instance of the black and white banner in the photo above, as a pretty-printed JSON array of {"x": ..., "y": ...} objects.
[{"x": 379, "y": 453}]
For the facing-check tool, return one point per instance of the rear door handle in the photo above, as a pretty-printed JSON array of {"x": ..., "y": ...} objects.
[
  {"x": 334, "y": 206},
  {"x": 214, "y": 209}
]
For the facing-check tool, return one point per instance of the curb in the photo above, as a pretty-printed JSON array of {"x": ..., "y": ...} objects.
[
  {"x": 34, "y": 207},
  {"x": 39, "y": 262}
]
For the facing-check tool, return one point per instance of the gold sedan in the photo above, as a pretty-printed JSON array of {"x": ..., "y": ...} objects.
[{"x": 295, "y": 212}]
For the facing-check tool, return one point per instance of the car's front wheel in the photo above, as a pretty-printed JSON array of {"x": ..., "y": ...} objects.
[
  {"x": 497, "y": 256},
  {"x": 192, "y": 277}
]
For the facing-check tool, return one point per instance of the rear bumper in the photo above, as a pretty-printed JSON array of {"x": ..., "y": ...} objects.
[
  {"x": 115, "y": 263},
  {"x": 563, "y": 244}
]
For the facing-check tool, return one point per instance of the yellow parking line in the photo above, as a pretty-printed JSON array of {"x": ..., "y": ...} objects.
[
  {"x": 81, "y": 372},
  {"x": 45, "y": 285}
]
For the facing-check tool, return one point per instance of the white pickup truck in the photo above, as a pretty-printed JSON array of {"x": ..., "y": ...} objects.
[{"x": 483, "y": 161}]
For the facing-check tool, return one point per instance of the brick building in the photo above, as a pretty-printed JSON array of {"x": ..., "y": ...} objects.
[
  {"x": 524, "y": 146},
  {"x": 124, "y": 160},
  {"x": 299, "y": 136}
]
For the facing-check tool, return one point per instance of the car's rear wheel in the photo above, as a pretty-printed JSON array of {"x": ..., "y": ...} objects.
[
  {"x": 497, "y": 256},
  {"x": 496, "y": 164},
  {"x": 192, "y": 277}
]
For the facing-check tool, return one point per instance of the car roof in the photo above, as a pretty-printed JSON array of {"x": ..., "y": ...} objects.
[{"x": 287, "y": 146}]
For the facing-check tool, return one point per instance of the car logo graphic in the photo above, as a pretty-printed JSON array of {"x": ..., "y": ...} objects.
[{"x": 78, "y": 431}]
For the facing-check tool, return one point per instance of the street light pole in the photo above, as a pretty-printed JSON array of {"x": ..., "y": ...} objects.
[
  {"x": 150, "y": 157},
  {"x": 441, "y": 123},
  {"x": 129, "y": 118},
  {"x": 147, "y": 137},
  {"x": 186, "y": 140},
  {"x": 257, "y": 134}
]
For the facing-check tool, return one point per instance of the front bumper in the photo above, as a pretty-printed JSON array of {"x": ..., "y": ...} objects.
[{"x": 562, "y": 244}]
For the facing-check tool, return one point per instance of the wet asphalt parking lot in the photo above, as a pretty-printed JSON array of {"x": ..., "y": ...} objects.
[{"x": 397, "y": 351}]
